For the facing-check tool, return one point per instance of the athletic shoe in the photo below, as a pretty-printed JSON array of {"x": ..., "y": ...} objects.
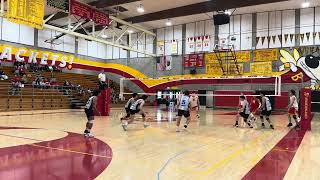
[
  {"x": 185, "y": 126},
  {"x": 236, "y": 125},
  {"x": 250, "y": 126},
  {"x": 146, "y": 125},
  {"x": 297, "y": 127},
  {"x": 289, "y": 125},
  {"x": 125, "y": 127},
  {"x": 271, "y": 126},
  {"x": 263, "y": 126},
  {"x": 89, "y": 135}
]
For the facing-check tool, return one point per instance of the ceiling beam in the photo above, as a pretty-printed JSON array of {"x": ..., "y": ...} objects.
[
  {"x": 57, "y": 16},
  {"x": 108, "y": 3},
  {"x": 198, "y": 8}
]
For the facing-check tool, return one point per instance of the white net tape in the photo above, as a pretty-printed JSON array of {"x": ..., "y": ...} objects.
[{"x": 219, "y": 86}]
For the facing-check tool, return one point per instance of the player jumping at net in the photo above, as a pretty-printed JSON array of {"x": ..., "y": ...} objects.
[
  {"x": 265, "y": 110},
  {"x": 90, "y": 108},
  {"x": 293, "y": 109},
  {"x": 128, "y": 105},
  {"x": 244, "y": 112},
  {"x": 136, "y": 108},
  {"x": 183, "y": 110}
]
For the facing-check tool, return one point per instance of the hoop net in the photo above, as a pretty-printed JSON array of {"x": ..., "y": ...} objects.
[{"x": 222, "y": 86}]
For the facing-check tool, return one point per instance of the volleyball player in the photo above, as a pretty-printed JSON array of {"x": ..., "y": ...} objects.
[
  {"x": 136, "y": 108},
  {"x": 244, "y": 112},
  {"x": 90, "y": 108},
  {"x": 128, "y": 105},
  {"x": 183, "y": 110},
  {"x": 293, "y": 109},
  {"x": 254, "y": 106},
  {"x": 195, "y": 105},
  {"x": 265, "y": 110}
]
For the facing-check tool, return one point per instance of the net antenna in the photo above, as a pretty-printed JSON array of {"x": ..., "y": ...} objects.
[{"x": 219, "y": 85}]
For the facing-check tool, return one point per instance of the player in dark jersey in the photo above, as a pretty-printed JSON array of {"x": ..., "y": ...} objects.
[
  {"x": 136, "y": 108},
  {"x": 265, "y": 110},
  {"x": 90, "y": 108},
  {"x": 128, "y": 105}
]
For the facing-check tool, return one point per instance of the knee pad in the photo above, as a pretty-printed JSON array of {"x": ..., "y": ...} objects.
[
  {"x": 90, "y": 121},
  {"x": 143, "y": 115},
  {"x": 294, "y": 117},
  {"x": 245, "y": 120},
  {"x": 267, "y": 119},
  {"x": 261, "y": 117}
]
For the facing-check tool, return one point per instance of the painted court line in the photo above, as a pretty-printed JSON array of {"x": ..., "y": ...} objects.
[
  {"x": 275, "y": 163},
  {"x": 48, "y": 147},
  {"x": 215, "y": 166}
]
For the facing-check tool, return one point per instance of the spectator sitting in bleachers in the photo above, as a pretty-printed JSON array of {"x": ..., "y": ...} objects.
[
  {"x": 3, "y": 75},
  {"x": 16, "y": 85}
]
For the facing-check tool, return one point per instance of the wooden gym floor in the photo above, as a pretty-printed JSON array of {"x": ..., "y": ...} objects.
[{"x": 50, "y": 145}]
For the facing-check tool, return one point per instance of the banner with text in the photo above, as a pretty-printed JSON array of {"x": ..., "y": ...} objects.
[
  {"x": 242, "y": 56},
  {"x": 193, "y": 60},
  {"x": 266, "y": 55},
  {"x": 215, "y": 69},
  {"x": 29, "y": 12},
  {"x": 261, "y": 68}
]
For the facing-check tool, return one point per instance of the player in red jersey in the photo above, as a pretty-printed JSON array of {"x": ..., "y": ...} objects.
[{"x": 254, "y": 106}]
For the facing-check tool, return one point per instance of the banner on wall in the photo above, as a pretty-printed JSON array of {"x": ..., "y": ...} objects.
[
  {"x": 242, "y": 56},
  {"x": 266, "y": 55},
  {"x": 215, "y": 69},
  {"x": 193, "y": 60},
  {"x": 12, "y": 54},
  {"x": 174, "y": 46},
  {"x": 164, "y": 63},
  {"x": 199, "y": 43},
  {"x": 87, "y": 12},
  {"x": 29, "y": 12},
  {"x": 160, "y": 48},
  {"x": 62, "y": 5},
  {"x": 206, "y": 43},
  {"x": 261, "y": 68},
  {"x": 191, "y": 44}
]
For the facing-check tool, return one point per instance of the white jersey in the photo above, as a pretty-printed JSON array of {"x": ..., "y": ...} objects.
[
  {"x": 90, "y": 102},
  {"x": 136, "y": 105},
  {"x": 268, "y": 104},
  {"x": 184, "y": 103},
  {"x": 294, "y": 102},
  {"x": 194, "y": 101},
  {"x": 245, "y": 105},
  {"x": 129, "y": 103}
]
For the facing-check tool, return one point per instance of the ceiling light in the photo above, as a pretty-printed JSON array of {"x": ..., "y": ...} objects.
[
  {"x": 130, "y": 31},
  {"x": 104, "y": 36},
  {"x": 228, "y": 12},
  {"x": 168, "y": 23},
  {"x": 305, "y": 4},
  {"x": 140, "y": 9}
]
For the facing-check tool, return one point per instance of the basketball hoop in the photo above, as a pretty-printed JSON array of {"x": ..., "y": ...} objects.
[{"x": 53, "y": 42}]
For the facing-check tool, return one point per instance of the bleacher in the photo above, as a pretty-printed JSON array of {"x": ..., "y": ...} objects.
[{"x": 31, "y": 98}]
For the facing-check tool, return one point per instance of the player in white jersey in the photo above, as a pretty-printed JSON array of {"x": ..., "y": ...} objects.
[
  {"x": 266, "y": 109},
  {"x": 90, "y": 108},
  {"x": 293, "y": 109},
  {"x": 194, "y": 106},
  {"x": 128, "y": 105},
  {"x": 244, "y": 112},
  {"x": 136, "y": 108},
  {"x": 183, "y": 109}
]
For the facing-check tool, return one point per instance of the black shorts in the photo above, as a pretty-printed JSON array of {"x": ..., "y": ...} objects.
[
  {"x": 89, "y": 113},
  {"x": 133, "y": 112},
  {"x": 244, "y": 115},
  {"x": 265, "y": 113},
  {"x": 186, "y": 114}
]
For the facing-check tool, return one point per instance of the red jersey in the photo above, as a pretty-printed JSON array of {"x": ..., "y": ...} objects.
[{"x": 254, "y": 105}]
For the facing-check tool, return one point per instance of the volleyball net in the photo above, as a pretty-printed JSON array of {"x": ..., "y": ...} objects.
[{"x": 222, "y": 86}]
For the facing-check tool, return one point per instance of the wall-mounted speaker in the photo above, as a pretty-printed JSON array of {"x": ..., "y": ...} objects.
[{"x": 221, "y": 19}]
